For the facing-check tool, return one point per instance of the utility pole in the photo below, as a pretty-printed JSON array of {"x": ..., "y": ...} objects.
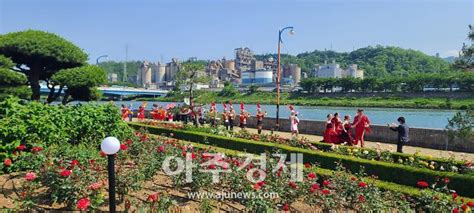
[{"x": 125, "y": 65}]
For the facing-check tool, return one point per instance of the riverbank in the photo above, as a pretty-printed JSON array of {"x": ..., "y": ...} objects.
[{"x": 379, "y": 100}]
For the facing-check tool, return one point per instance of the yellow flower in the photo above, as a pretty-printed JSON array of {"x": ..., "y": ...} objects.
[
  {"x": 432, "y": 167},
  {"x": 411, "y": 159}
]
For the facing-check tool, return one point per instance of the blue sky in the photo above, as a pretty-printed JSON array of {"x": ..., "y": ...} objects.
[{"x": 156, "y": 30}]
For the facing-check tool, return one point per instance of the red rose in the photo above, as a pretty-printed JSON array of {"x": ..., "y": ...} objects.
[
  {"x": 470, "y": 203},
  {"x": 353, "y": 178},
  {"x": 361, "y": 198},
  {"x": 7, "y": 162},
  {"x": 193, "y": 156},
  {"x": 102, "y": 154},
  {"x": 261, "y": 183},
  {"x": 422, "y": 184},
  {"x": 161, "y": 149},
  {"x": 65, "y": 173},
  {"x": 286, "y": 207},
  {"x": 257, "y": 186},
  {"x": 362, "y": 184},
  {"x": 83, "y": 203},
  {"x": 30, "y": 176},
  {"x": 455, "y": 195},
  {"x": 464, "y": 207},
  {"x": 212, "y": 166},
  {"x": 307, "y": 165},
  {"x": 74, "y": 163},
  {"x": 128, "y": 141},
  {"x": 455, "y": 210},
  {"x": 92, "y": 161},
  {"x": 123, "y": 147},
  {"x": 293, "y": 185},
  {"x": 446, "y": 180},
  {"x": 315, "y": 186},
  {"x": 21, "y": 147},
  {"x": 152, "y": 198},
  {"x": 326, "y": 191},
  {"x": 311, "y": 175},
  {"x": 326, "y": 183},
  {"x": 36, "y": 149}
]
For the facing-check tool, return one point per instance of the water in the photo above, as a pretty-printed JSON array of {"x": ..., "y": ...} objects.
[{"x": 422, "y": 118}]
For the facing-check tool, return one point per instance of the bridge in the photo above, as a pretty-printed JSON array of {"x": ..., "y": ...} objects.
[{"x": 121, "y": 93}]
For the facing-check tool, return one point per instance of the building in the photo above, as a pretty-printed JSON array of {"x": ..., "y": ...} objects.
[
  {"x": 112, "y": 77},
  {"x": 171, "y": 69},
  {"x": 144, "y": 75},
  {"x": 333, "y": 70},
  {"x": 260, "y": 76},
  {"x": 291, "y": 74}
]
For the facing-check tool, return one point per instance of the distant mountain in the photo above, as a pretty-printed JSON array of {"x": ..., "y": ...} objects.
[
  {"x": 375, "y": 61},
  {"x": 450, "y": 59}
]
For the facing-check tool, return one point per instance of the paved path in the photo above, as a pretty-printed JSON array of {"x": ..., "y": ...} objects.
[
  {"x": 392, "y": 147},
  {"x": 372, "y": 144}
]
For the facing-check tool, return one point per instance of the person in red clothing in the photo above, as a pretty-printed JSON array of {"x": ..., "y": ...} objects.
[
  {"x": 243, "y": 117},
  {"x": 346, "y": 134},
  {"x": 361, "y": 124},
  {"x": 155, "y": 112},
  {"x": 141, "y": 113},
  {"x": 337, "y": 126},
  {"x": 125, "y": 112},
  {"x": 260, "y": 115},
  {"x": 329, "y": 133}
]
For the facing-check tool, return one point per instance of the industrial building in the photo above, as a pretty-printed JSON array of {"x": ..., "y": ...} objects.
[
  {"x": 157, "y": 75},
  {"x": 333, "y": 70},
  {"x": 259, "y": 76}
]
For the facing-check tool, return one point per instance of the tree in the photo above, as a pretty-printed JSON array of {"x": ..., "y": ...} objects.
[
  {"x": 347, "y": 83},
  {"x": 461, "y": 126},
  {"x": 39, "y": 55},
  {"x": 253, "y": 89},
  {"x": 190, "y": 74},
  {"x": 12, "y": 83},
  {"x": 466, "y": 58},
  {"x": 228, "y": 90},
  {"x": 79, "y": 83}
]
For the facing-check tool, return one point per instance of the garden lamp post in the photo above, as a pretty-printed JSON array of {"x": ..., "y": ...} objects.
[
  {"x": 278, "y": 78},
  {"x": 110, "y": 146},
  {"x": 97, "y": 60}
]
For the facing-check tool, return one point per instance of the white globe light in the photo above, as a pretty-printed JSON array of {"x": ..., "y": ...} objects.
[
  {"x": 110, "y": 145},
  {"x": 292, "y": 32}
]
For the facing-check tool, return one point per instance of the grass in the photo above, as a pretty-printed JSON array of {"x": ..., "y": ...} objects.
[{"x": 321, "y": 100}]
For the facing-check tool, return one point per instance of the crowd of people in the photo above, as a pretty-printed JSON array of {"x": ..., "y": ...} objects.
[{"x": 338, "y": 131}]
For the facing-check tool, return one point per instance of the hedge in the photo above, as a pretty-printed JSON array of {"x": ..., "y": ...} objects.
[{"x": 396, "y": 173}]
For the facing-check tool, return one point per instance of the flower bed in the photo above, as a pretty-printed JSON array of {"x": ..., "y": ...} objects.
[
  {"x": 463, "y": 184},
  {"x": 380, "y": 154},
  {"x": 75, "y": 176}
]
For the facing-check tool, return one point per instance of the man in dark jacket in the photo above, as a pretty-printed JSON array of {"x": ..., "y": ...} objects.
[{"x": 403, "y": 131}]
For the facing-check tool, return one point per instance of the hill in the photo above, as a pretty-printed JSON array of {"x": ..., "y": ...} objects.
[{"x": 375, "y": 61}]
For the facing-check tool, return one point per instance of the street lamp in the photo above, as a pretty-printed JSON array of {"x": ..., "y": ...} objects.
[
  {"x": 110, "y": 146},
  {"x": 278, "y": 79},
  {"x": 102, "y": 56}
]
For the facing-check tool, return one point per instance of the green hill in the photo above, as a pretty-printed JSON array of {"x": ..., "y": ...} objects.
[{"x": 375, "y": 61}]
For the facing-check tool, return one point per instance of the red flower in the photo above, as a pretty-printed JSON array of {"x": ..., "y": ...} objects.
[
  {"x": 123, "y": 147},
  {"x": 152, "y": 198},
  {"x": 36, "y": 149},
  {"x": 362, "y": 184},
  {"x": 212, "y": 166},
  {"x": 65, "y": 173},
  {"x": 470, "y": 203},
  {"x": 7, "y": 162},
  {"x": 455, "y": 210},
  {"x": 83, "y": 203},
  {"x": 446, "y": 180},
  {"x": 128, "y": 141},
  {"x": 326, "y": 183},
  {"x": 21, "y": 147},
  {"x": 30, "y": 176},
  {"x": 307, "y": 165},
  {"x": 315, "y": 186},
  {"x": 161, "y": 149},
  {"x": 293, "y": 185},
  {"x": 311, "y": 175},
  {"x": 95, "y": 186},
  {"x": 353, "y": 178},
  {"x": 193, "y": 156},
  {"x": 102, "y": 154},
  {"x": 464, "y": 207},
  {"x": 257, "y": 186},
  {"x": 286, "y": 207},
  {"x": 326, "y": 191},
  {"x": 455, "y": 195},
  {"x": 422, "y": 184},
  {"x": 91, "y": 162},
  {"x": 361, "y": 198},
  {"x": 74, "y": 163},
  {"x": 261, "y": 183}
]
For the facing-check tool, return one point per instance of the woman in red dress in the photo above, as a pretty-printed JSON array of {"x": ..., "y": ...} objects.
[
  {"x": 329, "y": 133},
  {"x": 154, "y": 112},
  {"x": 346, "y": 134},
  {"x": 361, "y": 124},
  {"x": 141, "y": 113},
  {"x": 337, "y": 126},
  {"x": 125, "y": 111}
]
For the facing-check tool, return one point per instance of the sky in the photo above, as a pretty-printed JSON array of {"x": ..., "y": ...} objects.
[{"x": 157, "y": 30}]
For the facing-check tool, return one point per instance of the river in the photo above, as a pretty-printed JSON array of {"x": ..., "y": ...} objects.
[{"x": 422, "y": 118}]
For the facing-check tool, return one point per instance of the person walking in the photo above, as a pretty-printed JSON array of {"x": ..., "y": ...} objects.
[{"x": 403, "y": 130}]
